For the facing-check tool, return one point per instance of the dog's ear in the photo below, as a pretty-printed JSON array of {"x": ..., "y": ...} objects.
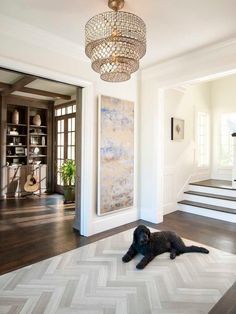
[{"x": 149, "y": 233}]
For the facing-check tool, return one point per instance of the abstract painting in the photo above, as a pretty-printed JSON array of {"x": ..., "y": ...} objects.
[
  {"x": 115, "y": 155},
  {"x": 177, "y": 129}
]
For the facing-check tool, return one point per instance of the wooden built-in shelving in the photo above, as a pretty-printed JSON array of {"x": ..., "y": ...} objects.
[{"x": 30, "y": 149}]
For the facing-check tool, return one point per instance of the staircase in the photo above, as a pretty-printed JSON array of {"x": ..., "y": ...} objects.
[{"x": 213, "y": 200}]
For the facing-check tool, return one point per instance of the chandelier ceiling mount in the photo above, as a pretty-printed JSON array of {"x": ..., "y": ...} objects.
[{"x": 116, "y": 5}]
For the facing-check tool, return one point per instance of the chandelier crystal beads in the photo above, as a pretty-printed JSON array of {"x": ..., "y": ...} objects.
[{"x": 115, "y": 42}]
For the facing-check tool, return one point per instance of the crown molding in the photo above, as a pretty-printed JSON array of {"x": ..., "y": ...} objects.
[
  {"x": 220, "y": 56},
  {"x": 35, "y": 36}
]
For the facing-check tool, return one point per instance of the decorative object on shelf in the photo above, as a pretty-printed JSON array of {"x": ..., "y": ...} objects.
[
  {"x": 36, "y": 131},
  {"x": 9, "y": 153},
  {"x": 34, "y": 140},
  {"x": 68, "y": 172},
  {"x": 43, "y": 141},
  {"x": 16, "y": 140},
  {"x": 19, "y": 150},
  {"x": 36, "y": 151},
  {"x": 14, "y": 131},
  {"x": 115, "y": 155},
  {"x": 15, "y": 160},
  {"x": 115, "y": 41},
  {"x": 37, "y": 120},
  {"x": 15, "y": 117},
  {"x": 177, "y": 129}
]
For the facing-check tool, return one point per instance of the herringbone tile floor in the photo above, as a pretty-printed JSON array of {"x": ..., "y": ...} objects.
[{"x": 92, "y": 279}]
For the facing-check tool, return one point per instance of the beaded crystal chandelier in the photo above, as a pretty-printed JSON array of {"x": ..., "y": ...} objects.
[{"x": 115, "y": 42}]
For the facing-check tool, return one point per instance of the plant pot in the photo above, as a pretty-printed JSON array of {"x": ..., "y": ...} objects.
[{"x": 69, "y": 194}]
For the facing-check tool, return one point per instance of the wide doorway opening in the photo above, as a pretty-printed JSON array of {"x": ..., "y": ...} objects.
[{"x": 39, "y": 163}]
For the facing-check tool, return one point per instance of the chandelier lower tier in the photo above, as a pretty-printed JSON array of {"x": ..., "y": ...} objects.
[{"x": 115, "y": 42}]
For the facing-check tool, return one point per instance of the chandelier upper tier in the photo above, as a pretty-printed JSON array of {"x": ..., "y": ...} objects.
[{"x": 115, "y": 42}]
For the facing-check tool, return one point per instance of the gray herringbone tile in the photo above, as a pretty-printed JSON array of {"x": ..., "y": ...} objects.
[{"x": 93, "y": 279}]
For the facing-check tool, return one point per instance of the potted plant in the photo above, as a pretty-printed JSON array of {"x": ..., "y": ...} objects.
[{"x": 68, "y": 172}]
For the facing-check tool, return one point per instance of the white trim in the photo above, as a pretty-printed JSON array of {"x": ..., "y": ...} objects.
[
  {"x": 27, "y": 68},
  {"x": 207, "y": 213},
  {"x": 209, "y": 63},
  {"x": 88, "y": 169}
]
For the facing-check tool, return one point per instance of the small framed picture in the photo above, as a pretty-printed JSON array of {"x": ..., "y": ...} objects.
[
  {"x": 19, "y": 150},
  {"x": 177, "y": 129}
]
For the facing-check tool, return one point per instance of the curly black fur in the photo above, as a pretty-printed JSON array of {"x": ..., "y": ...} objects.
[{"x": 152, "y": 244}]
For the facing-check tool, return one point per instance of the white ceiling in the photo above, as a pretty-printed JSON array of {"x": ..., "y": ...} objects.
[{"x": 174, "y": 27}]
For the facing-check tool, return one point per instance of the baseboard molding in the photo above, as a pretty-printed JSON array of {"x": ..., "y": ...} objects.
[
  {"x": 169, "y": 208},
  {"x": 103, "y": 223}
]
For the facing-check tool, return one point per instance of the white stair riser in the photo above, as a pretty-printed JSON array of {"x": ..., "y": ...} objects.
[
  {"x": 210, "y": 200},
  {"x": 205, "y": 189},
  {"x": 207, "y": 213}
]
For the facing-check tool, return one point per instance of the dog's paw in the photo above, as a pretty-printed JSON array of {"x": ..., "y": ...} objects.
[
  {"x": 126, "y": 258},
  {"x": 205, "y": 251},
  {"x": 172, "y": 255},
  {"x": 140, "y": 266}
]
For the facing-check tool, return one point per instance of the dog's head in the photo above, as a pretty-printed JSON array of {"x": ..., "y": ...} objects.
[{"x": 141, "y": 235}]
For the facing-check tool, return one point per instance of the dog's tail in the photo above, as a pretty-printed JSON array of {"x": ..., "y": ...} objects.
[{"x": 195, "y": 249}]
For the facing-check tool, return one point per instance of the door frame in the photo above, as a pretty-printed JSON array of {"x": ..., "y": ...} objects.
[{"x": 85, "y": 98}]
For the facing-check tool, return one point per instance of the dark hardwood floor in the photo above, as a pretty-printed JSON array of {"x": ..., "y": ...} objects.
[
  {"x": 27, "y": 237},
  {"x": 30, "y": 233},
  {"x": 32, "y": 229}
]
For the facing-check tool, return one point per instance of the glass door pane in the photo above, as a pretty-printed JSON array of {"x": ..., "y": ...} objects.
[
  {"x": 65, "y": 141},
  {"x": 71, "y": 139},
  {"x": 60, "y": 148}
]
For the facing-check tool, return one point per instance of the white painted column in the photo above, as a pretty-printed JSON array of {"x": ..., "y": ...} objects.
[{"x": 234, "y": 162}]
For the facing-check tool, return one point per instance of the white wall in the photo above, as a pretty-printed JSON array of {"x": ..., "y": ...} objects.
[
  {"x": 180, "y": 164},
  {"x": 223, "y": 99},
  {"x": 29, "y": 49}
]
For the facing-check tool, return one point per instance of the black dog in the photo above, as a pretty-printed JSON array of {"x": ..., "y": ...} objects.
[{"x": 152, "y": 244}]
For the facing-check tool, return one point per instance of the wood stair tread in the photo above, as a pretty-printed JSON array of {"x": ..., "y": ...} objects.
[
  {"x": 208, "y": 206},
  {"x": 221, "y": 197}
]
